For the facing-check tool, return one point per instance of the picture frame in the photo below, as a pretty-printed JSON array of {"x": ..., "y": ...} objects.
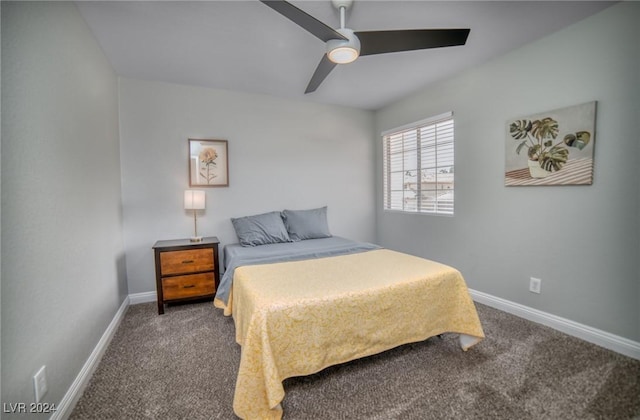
[
  {"x": 208, "y": 163},
  {"x": 551, "y": 148}
]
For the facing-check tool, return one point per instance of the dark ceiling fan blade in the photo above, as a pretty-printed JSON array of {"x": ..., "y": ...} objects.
[
  {"x": 322, "y": 71},
  {"x": 304, "y": 20},
  {"x": 380, "y": 42}
]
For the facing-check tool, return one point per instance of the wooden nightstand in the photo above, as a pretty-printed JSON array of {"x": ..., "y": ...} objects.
[{"x": 186, "y": 270}]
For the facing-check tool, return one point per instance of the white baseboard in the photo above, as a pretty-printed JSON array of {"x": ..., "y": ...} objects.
[
  {"x": 593, "y": 335},
  {"x": 144, "y": 297},
  {"x": 76, "y": 389}
]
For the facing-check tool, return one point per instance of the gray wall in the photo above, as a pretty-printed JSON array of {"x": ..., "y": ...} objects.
[
  {"x": 582, "y": 241},
  {"x": 62, "y": 253},
  {"x": 282, "y": 154}
]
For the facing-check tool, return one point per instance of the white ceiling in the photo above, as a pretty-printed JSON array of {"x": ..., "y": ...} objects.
[{"x": 246, "y": 46}]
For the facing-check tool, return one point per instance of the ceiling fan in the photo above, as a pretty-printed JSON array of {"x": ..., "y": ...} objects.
[{"x": 345, "y": 45}]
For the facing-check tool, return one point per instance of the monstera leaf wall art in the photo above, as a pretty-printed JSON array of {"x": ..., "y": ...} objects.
[{"x": 552, "y": 148}]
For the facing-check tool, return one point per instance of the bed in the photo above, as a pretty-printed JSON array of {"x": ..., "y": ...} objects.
[{"x": 302, "y": 306}]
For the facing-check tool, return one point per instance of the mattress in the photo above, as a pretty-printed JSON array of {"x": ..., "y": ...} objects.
[
  {"x": 298, "y": 317},
  {"x": 236, "y": 255}
]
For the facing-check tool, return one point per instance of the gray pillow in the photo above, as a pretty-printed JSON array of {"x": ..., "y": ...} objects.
[
  {"x": 260, "y": 229},
  {"x": 306, "y": 224}
]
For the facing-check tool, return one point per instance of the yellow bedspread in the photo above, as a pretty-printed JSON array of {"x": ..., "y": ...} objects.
[{"x": 297, "y": 318}]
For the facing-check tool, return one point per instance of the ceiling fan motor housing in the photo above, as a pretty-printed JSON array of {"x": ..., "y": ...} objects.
[{"x": 344, "y": 51}]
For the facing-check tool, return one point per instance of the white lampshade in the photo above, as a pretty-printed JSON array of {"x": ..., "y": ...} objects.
[{"x": 194, "y": 200}]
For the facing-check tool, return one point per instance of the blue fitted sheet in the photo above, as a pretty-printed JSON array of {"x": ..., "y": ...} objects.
[{"x": 236, "y": 255}]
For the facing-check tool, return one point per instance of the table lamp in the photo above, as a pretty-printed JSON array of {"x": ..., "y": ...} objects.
[{"x": 194, "y": 200}]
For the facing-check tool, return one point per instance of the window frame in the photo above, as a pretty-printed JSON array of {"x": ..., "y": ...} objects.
[{"x": 445, "y": 143}]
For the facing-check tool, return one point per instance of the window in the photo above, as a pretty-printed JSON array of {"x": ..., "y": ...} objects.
[{"x": 418, "y": 166}]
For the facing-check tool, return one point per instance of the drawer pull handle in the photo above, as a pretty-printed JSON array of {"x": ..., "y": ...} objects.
[
  {"x": 189, "y": 286},
  {"x": 187, "y": 262}
]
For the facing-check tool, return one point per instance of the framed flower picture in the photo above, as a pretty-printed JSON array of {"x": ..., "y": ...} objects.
[{"x": 208, "y": 163}]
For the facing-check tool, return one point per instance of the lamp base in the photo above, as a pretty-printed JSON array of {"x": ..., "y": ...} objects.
[{"x": 196, "y": 239}]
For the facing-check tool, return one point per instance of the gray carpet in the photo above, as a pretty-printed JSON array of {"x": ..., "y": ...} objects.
[{"x": 183, "y": 365}]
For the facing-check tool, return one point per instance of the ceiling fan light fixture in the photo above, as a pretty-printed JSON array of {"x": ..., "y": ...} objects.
[
  {"x": 342, "y": 51},
  {"x": 343, "y": 55}
]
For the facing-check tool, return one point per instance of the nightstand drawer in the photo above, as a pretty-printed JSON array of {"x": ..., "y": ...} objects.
[
  {"x": 188, "y": 261},
  {"x": 179, "y": 287}
]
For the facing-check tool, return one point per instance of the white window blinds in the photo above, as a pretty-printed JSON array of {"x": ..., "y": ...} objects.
[{"x": 418, "y": 166}]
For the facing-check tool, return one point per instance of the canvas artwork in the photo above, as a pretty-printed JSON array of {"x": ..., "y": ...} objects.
[
  {"x": 551, "y": 148},
  {"x": 208, "y": 163}
]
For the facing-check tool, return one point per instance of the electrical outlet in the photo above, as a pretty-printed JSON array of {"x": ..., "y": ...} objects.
[
  {"x": 40, "y": 383},
  {"x": 534, "y": 285}
]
